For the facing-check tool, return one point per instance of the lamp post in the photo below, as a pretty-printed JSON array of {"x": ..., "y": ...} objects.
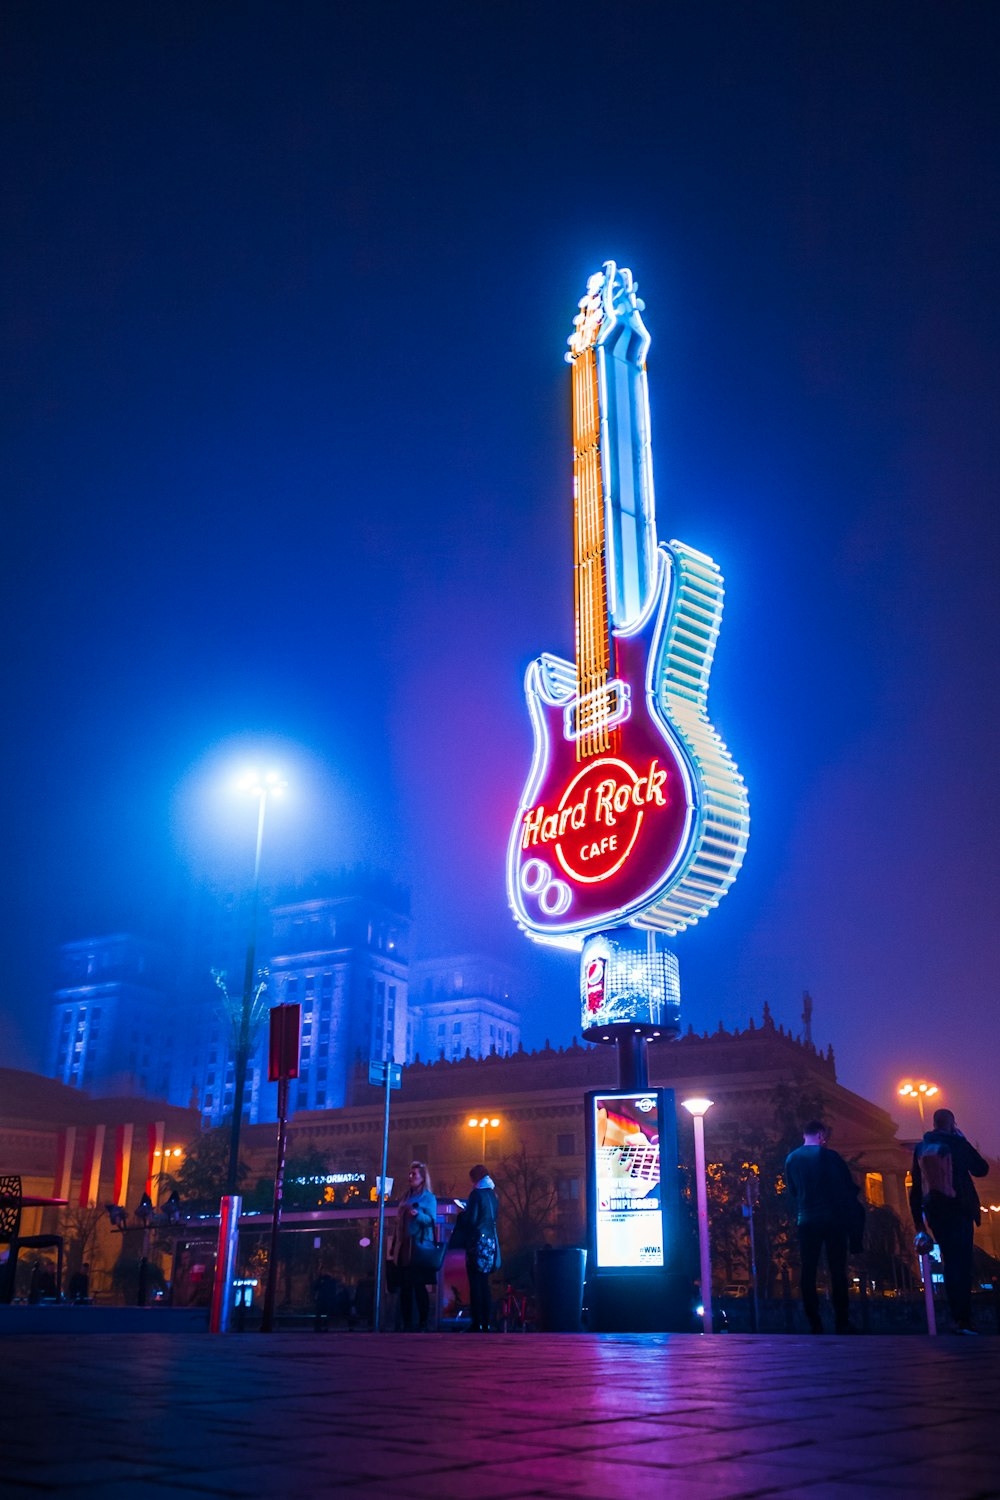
[
  {"x": 918, "y": 1091},
  {"x": 992, "y": 1210},
  {"x": 262, "y": 787},
  {"x": 698, "y": 1109},
  {"x": 483, "y": 1123}
]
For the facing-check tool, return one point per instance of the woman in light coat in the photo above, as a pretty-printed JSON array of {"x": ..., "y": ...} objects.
[{"x": 415, "y": 1222}]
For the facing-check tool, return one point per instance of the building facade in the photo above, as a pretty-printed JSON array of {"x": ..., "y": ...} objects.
[
  {"x": 127, "y": 1018},
  {"x": 109, "y": 1027},
  {"x": 459, "y": 1005}
]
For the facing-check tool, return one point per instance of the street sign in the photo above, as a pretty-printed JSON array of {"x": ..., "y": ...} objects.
[
  {"x": 377, "y": 1071},
  {"x": 283, "y": 1052}
]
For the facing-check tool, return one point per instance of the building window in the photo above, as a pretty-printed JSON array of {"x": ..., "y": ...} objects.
[
  {"x": 569, "y": 1189},
  {"x": 875, "y": 1189},
  {"x": 566, "y": 1145}
]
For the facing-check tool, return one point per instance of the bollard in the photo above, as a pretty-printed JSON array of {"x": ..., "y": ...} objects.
[
  {"x": 225, "y": 1260},
  {"x": 925, "y": 1271}
]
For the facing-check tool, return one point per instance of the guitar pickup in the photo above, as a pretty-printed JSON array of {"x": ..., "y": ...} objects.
[{"x": 602, "y": 709}]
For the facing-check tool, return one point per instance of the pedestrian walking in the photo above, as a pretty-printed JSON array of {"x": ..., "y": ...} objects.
[
  {"x": 944, "y": 1201},
  {"x": 829, "y": 1217},
  {"x": 476, "y": 1233},
  {"x": 416, "y": 1222}
]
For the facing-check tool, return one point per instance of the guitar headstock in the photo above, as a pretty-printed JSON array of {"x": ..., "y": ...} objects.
[{"x": 611, "y": 294}]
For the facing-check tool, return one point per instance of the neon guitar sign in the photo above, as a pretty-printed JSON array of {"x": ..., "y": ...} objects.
[{"x": 633, "y": 811}]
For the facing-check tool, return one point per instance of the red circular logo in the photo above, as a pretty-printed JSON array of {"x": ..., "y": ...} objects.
[{"x": 600, "y": 814}]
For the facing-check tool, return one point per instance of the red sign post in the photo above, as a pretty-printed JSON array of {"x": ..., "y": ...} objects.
[{"x": 283, "y": 1064}]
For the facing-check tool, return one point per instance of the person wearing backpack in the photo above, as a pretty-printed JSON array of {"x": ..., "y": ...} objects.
[
  {"x": 944, "y": 1200},
  {"x": 476, "y": 1232}
]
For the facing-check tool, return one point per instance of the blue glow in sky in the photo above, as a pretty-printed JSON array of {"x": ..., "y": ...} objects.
[{"x": 286, "y": 455}]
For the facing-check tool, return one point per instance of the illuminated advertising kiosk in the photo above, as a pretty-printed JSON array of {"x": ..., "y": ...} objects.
[{"x": 634, "y": 819}]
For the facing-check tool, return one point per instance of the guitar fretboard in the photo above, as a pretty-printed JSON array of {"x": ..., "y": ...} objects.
[
  {"x": 635, "y": 1168},
  {"x": 593, "y": 651}
]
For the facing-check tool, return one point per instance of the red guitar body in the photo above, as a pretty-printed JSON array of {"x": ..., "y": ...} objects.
[{"x": 599, "y": 838}]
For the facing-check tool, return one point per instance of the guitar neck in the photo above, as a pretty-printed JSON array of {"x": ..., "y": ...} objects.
[
  {"x": 614, "y": 525},
  {"x": 593, "y": 636}
]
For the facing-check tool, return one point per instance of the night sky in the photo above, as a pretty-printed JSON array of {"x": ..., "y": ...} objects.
[{"x": 286, "y": 290}]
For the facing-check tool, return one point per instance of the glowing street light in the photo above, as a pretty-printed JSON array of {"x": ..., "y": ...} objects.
[
  {"x": 484, "y": 1123},
  {"x": 698, "y": 1108},
  {"x": 918, "y": 1091}
]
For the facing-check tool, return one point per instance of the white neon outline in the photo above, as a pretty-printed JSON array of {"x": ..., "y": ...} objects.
[
  {"x": 571, "y": 933},
  {"x": 620, "y": 716},
  {"x": 564, "y": 899},
  {"x": 539, "y": 885},
  {"x": 606, "y": 760},
  {"x": 645, "y": 910},
  {"x": 686, "y": 593}
]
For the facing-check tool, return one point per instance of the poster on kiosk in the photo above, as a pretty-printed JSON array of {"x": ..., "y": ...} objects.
[{"x": 631, "y": 1141}]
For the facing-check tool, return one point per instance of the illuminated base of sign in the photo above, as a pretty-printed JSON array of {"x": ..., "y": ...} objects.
[
  {"x": 629, "y": 1215},
  {"x": 628, "y": 983}
]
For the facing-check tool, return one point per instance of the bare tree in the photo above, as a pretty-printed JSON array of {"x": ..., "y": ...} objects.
[
  {"x": 78, "y": 1227},
  {"x": 527, "y": 1200}
]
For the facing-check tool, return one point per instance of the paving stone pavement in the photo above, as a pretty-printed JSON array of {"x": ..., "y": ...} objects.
[{"x": 465, "y": 1417}]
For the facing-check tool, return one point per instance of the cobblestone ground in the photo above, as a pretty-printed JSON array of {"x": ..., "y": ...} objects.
[{"x": 466, "y": 1417}]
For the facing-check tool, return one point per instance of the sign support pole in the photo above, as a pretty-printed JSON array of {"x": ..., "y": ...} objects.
[
  {"x": 267, "y": 1321},
  {"x": 379, "y": 1271}
]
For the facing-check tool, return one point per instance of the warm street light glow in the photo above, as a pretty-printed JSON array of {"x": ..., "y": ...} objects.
[
  {"x": 484, "y": 1123},
  {"x": 698, "y": 1107},
  {"x": 919, "y": 1091}
]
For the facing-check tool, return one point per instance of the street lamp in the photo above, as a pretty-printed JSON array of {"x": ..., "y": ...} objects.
[
  {"x": 271, "y": 784},
  {"x": 698, "y": 1109},
  {"x": 484, "y": 1123},
  {"x": 918, "y": 1091},
  {"x": 991, "y": 1210}
]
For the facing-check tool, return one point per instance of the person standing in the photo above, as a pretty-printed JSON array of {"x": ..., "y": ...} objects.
[
  {"x": 943, "y": 1197},
  {"x": 415, "y": 1224},
  {"x": 826, "y": 1207},
  {"x": 477, "y": 1231}
]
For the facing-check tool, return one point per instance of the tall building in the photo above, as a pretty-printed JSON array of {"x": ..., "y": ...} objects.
[
  {"x": 461, "y": 1004},
  {"x": 341, "y": 953},
  {"x": 344, "y": 959},
  {"x": 127, "y": 1018},
  {"x": 111, "y": 1012}
]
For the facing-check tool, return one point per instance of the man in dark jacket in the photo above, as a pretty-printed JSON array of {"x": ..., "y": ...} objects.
[
  {"x": 943, "y": 1197},
  {"x": 477, "y": 1230},
  {"x": 825, "y": 1194}
]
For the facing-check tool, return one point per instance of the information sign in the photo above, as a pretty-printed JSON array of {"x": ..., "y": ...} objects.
[{"x": 377, "y": 1071}]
